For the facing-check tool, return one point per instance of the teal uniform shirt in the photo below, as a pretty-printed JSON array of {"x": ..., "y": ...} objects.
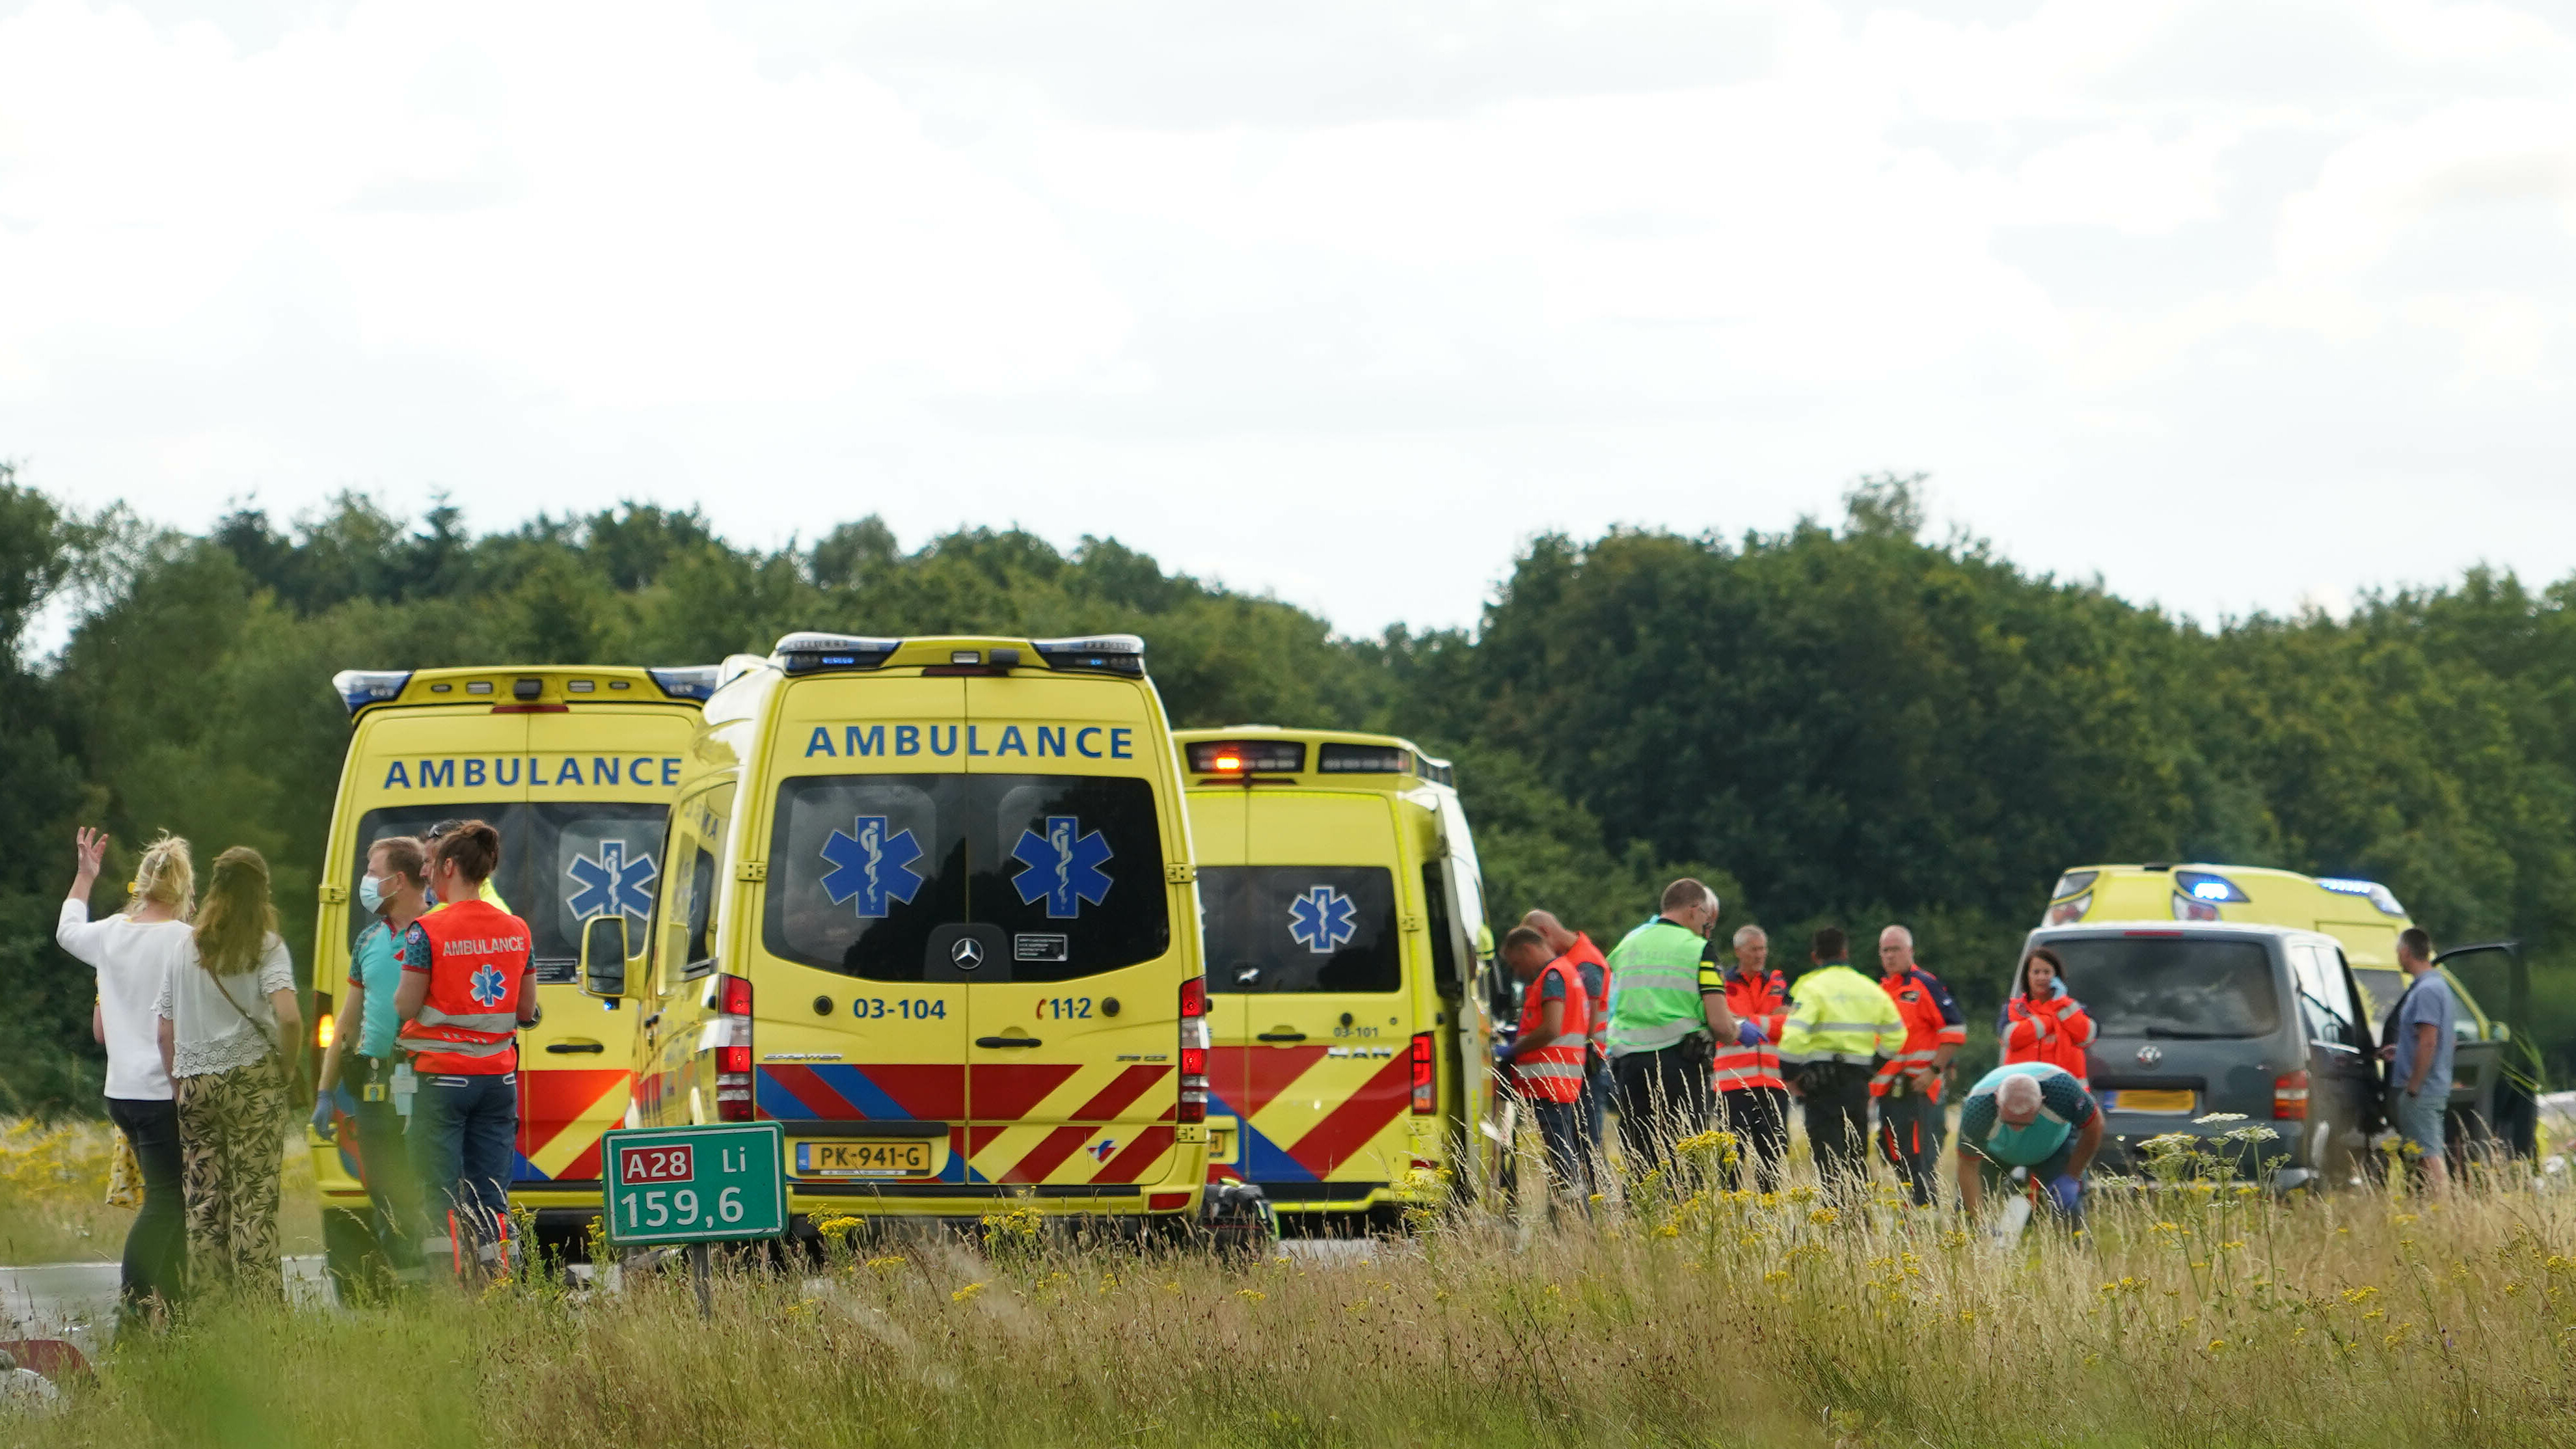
[{"x": 373, "y": 969}]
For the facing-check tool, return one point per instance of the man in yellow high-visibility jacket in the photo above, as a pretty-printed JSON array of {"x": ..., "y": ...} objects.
[{"x": 1840, "y": 1025}]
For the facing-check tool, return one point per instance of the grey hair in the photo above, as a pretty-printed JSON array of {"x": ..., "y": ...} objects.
[
  {"x": 1751, "y": 932},
  {"x": 2019, "y": 1093},
  {"x": 1900, "y": 930}
]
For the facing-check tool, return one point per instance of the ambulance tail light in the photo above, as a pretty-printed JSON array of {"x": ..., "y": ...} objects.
[
  {"x": 359, "y": 688},
  {"x": 325, "y": 1027},
  {"x": 1194, "y": 1051},
  {"x": 733, "y": 1049},
  {"x": 2290, "y": 1097},
  {"x": 1426, "y": 1094}
]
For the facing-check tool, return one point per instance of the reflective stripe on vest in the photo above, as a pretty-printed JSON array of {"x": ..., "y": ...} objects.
[
  {"x": 1754, "y": 999},
  {"x": 1654, "y": 988},
  {"x": 1554, "y": 1072},
  {"x": 1838, "y": 1015}
]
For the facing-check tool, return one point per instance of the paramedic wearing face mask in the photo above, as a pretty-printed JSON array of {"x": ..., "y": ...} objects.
[
  {"x": 362, "y": 1060},
  {"x": 2029, "y": 1115}
]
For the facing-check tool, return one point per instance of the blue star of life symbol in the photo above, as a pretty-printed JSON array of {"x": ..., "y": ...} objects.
[
  {"x": 612, "y": 884},
  {"x": 487, "y": 985},
  {"x": 871, "y": 867},
  {"x": 1322, "y": 919},
  {"x": 1062, "y": 866}
]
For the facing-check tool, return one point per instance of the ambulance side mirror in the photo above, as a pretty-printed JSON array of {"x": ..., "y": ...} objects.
[{"x": 603, "y": 956}]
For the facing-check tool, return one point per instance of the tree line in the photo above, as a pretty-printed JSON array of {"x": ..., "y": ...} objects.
[{"x": 1849, "y": 721}]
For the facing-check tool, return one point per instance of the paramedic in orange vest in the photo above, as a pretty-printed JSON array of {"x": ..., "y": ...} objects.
[
  {"x": 1577, "y": 950},
  {"x": 467, "y": 987},
  {"x": 1908, "y": 1085},
  {"x": 2041, "y": 1022},
  {"x": 1545, "y": 1057},
  {"x": 1752, "y": 1100}
]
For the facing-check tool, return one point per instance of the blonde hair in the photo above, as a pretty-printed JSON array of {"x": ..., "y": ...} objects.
[
  {"x": 234, "y": 924},
  {"x": 167, "y": 875}
]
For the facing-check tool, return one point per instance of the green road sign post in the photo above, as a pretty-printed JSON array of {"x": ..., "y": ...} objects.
[{"x": 721, "y": 1183}]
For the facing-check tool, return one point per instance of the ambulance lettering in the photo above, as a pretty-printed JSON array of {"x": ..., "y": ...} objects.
[
  {"x": 476, "y": 772},
  {"x": 1043, "y": 741},
  {"x": 1062, "y": 867},
  {"x": 871, "y": 867}
]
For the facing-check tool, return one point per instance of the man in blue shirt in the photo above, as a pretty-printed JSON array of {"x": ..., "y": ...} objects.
[
  {"x": 2029, "y": 1115},
  {"x": 2419, "y": 1055}
]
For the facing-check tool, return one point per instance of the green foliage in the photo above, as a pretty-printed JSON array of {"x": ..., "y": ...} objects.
[{"x": 1849, "y": 724}]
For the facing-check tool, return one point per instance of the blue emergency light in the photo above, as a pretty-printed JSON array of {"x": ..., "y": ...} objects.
[
  {"x": 359, "y": 688},
  {"x": 2215, "y": 889},
  {"x": 2377, "y": 894},
  {"x": 690, "y": 681}
]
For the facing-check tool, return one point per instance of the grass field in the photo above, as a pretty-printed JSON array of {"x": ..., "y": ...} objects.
[
  {"x": 2199, "y": 1314},
  {"x": 53, "y": 1195}
]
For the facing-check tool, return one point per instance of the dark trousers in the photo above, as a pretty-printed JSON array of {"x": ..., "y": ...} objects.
[
  {"x": 1909, "y": 1137},
  {"x": 1594, "y": 1107},
  {"x": 1663, "y": 1097},
  {"x": 156, "y": 1247},
  {"x": 1560, "y": 1135},
  {"x": 1837, "y": 1103},
  {"x": 464, "y": 1140},
  {"x": 1759, "y": 1118},
  {"x": 384, "y": 1159}
]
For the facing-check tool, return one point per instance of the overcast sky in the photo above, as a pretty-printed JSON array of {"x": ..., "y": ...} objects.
[{"x": 2239, "y": 305}]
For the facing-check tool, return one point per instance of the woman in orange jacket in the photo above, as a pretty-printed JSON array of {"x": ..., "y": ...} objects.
[{"x": 2041, "y": 1022}]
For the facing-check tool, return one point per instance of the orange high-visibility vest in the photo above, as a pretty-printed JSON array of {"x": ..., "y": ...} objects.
[
  {"x": 476, "y": 957},
  {"x": 1554, "y": 1072},
  {"x": 1763, "y": 1000},
  {"x": 2055, "y": 1031},
  {"x": 1931, "y": 1022}
]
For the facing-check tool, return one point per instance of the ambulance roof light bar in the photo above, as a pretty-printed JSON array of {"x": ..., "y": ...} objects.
[
  {"x": 811, "y": 653},
  {"x": 1099, "y": 653},
  {"x": 686, "y": 681},
  {"x": 359, "y": 688}
]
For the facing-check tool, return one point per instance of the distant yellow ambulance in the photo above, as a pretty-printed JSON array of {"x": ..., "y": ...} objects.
[
  {"x": 932, "y": 912},
  {"x": 576, "y": 766},
  {"x": 1344, "y": 907}
]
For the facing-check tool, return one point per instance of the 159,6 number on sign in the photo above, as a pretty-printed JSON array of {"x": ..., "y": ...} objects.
[{"x": 695, "y": 1184}]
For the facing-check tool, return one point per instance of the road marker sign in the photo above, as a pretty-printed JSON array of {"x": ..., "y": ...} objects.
[{"x": 719, "y": 1183}]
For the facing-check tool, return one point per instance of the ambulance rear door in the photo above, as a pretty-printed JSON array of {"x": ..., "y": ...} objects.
[
  {"x": 1073, "y": 985},
  {"x": 1218, "y": 820},
  {"x": 1313, "y": 928},
  {"x": 867, "y": 864},
  {"x": 599, "y": 783}
]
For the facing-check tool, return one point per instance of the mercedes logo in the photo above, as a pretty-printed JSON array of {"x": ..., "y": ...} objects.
[
  {"x": 2148, "y": 1055},
  {"x": 968, "y": 953}
]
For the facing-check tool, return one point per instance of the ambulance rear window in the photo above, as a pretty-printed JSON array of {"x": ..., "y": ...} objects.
[
  {"x": 1300, "y": 928},
  {"x": 562, "y": 862},
  {"x": 865, "y": 869}
]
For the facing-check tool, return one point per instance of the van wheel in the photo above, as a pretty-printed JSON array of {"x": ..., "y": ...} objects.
[{"x": 360, "y": 1272}]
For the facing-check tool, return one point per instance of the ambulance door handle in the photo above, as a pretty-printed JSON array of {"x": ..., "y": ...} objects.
[
  {"x": 1282, "y": 1036},
  {"x": 562, "y": 1047},
  {"x": 1006, "y": 1041}
]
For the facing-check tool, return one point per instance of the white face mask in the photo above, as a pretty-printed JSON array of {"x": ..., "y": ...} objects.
[{"x": 371, "y": 894}]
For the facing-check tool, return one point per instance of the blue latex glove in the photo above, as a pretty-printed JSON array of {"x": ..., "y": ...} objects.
[
  {"x": 1749, "y": 1032},
  {"x": 2066, "y": 1189},
  {"x": 322, "y": 1118}
]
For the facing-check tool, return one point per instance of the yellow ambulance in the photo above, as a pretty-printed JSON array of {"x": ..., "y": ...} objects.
[
  {"x": 932, "y": 911},
  {"x": 1348, "y": 1027},
  {"x": 576, "y": 766},
  {"x": 2363, "y": 916}
]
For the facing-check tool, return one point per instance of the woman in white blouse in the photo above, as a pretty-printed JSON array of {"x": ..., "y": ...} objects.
[
  {"x": 228, "y": 1022},
  {"x": 133, "y": 952}
]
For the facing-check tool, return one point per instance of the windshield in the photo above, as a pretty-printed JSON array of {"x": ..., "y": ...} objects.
[
  {"x": 864, "y": 869},
  {"x": 561, "y": 863},
  {"x": 1300, "y": 928},
  {"x": 2161, "y": 986}
]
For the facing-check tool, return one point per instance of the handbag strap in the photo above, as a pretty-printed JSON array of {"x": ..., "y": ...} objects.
[{"x": 266, "y": 1038}]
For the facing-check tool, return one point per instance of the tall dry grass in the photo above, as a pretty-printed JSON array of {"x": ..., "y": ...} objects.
[
  {"x": 2196, "y": 1313},
  {"x": 53, "y": 1194}
]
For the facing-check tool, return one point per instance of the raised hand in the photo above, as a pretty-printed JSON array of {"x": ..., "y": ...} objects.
[{"x": 91, "y": 849}]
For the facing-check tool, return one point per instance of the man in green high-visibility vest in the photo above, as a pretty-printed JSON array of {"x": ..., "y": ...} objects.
[{"x": 1663, "y": 1027}]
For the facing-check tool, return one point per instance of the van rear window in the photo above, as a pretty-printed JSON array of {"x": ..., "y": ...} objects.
[
  {"x": 1300, "y": 928},
  {"x": 562, "y": 862},
  {"x": 864, "y": 869},
  {"x": 2172, "y": 988}
]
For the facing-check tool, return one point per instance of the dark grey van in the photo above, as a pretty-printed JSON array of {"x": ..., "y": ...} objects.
[{"x": 2202, "y": 1018}]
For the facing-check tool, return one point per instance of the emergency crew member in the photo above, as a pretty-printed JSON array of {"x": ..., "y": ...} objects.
[
  {"x": 2033, "y": 1116},
  {"x": 1593, "y": 1107},
  {"x": 1840, "y": 1023},
  {"x": 1545, "y": 1059},
  {"x": 1661, "y": 1025},
  {"x": 1908, "y": 1085},
  {"x": 362, "y": 1056},
  {"x": 1752, "y": 1100},
  {"x": 467, "y": 987},
  {"x": 2041, "y": 1022}
]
